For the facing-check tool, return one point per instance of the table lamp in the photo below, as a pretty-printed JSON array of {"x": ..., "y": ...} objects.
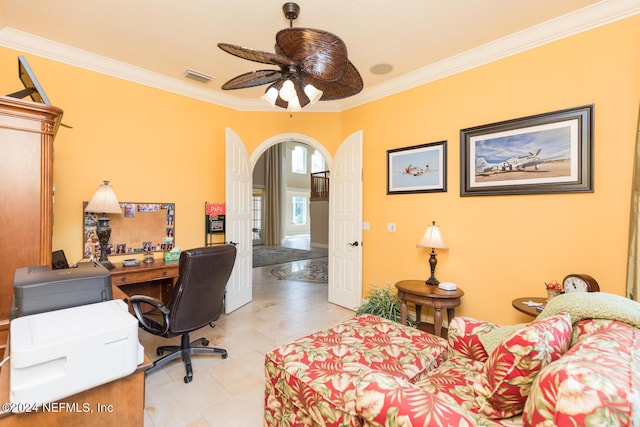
[
  {"x": 103, "y": 202},
  {"x": 432, "y": 239}
]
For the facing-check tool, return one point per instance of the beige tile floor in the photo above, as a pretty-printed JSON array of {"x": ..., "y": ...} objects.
[{"x": 229, "y": 392}]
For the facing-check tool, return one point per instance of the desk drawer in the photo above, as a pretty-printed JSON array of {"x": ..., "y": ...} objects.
[{"x": 143, "y": 276}]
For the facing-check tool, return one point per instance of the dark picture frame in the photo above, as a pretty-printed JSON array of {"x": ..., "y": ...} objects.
[
  {"x": 541, "y": 154},
  {"x": 417, "y": 169}
]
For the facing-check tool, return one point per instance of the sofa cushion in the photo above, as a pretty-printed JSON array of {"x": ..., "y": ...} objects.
[
  {"x": 453, "y": 380},
  {"x": 383, "y": 400},
  {"x": 514, "y": 364},
  {"x": 595, "y": 383},
  {"x": 464, "y": 337}
]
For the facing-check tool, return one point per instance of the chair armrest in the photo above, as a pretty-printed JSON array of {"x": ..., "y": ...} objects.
[
  {"x": 383, "y": 400},
  {"x": 464, "y": 338},
  {"x": 146, "y": 323}
]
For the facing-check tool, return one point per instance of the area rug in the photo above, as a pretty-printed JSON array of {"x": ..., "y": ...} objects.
[
  {"x": 314, "y": 271},
  {"x": 270, "y": 255}
]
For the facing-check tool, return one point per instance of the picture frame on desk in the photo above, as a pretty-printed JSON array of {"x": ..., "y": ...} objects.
[{"x": 540, "y": 154}]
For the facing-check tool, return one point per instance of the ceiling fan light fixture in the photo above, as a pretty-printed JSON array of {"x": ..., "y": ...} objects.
[
  {"x": 288, "y": 90},
  {"x": 270, "y": 96},
  {"x": 294, "y": 105},
  {"x": 313, "y": 93},
  {"x": 303, "y": 55}
]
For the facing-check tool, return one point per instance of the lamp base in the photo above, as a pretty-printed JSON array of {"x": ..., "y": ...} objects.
[
  {"x": 432, "y": 281},
  {"x": 103, "y": 230},
  {"x": 432, "y": 263}
]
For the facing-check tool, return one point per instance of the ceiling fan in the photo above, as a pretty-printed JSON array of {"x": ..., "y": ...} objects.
[{"x": 313, "y": 66}]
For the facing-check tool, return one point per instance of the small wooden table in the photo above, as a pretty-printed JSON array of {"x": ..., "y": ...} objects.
[
  {"x": 518, "y": 304},
  {"x": 419, "y": 293}
]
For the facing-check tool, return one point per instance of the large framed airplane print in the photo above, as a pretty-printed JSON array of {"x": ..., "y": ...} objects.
[{"x": 541, "y": 154}]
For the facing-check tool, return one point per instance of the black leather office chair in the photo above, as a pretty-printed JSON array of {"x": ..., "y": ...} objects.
[{"x": 196, "y": 300}]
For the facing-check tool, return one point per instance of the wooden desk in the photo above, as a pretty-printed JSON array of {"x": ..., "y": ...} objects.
[
  {"x": 518, "y": 304},
  {"x": 154, "y": 280},
  {"x": 419, "y": 293},
  {"x": 121, "y": 401}
]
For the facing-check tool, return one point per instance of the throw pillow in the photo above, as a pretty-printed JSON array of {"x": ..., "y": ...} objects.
[
  {"x": 514, "y": 364},
  {"x": 494, "y": 338},
  {"x": 464, "y": 338}
]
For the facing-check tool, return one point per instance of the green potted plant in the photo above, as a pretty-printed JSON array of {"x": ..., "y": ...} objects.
[{"x": 382, "y": 303}]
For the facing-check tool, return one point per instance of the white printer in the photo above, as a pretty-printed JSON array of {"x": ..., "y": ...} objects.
[{"x": 59, "y": 353}]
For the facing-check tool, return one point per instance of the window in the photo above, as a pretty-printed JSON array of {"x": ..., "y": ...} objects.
[
  {"x": 257, "y": 218},
  {"x": 299, "y": 210},
  {"x": 317, "y": 162},
  {"x": 299, "y": 159}
]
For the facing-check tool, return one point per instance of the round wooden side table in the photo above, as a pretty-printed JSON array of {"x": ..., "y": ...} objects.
[
  {"x": 420, "y": 293},
  {"x": 519, "y": 305}
]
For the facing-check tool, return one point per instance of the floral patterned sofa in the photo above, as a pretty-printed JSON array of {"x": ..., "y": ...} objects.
[{"x": 577, "y": 364}]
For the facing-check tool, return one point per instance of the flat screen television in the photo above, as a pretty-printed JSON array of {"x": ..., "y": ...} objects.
[{"x": 31, "y": 84}]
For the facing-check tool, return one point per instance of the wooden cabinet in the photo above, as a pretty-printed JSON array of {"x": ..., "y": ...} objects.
[{"x": 27, "y": 131}]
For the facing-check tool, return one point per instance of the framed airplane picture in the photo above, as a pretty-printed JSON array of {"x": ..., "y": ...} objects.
[
  {"x": 541, "y": 154},
  {"x": 417, "y": 169}
]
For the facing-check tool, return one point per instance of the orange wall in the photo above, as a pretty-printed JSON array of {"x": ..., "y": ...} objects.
[
  {"x": 158, "y": 146},
  {"x": 503, "y": 247}
]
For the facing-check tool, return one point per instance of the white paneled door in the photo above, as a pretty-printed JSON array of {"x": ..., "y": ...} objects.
[
  {"x": 238, "y": 221},
  {"x": 345, "y": 224}
]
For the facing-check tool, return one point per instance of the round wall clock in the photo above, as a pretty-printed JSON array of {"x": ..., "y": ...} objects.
[{"x": 580, "y": 283}]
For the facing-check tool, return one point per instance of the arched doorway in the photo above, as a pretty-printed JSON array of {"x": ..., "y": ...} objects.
[
  {"x": 345, "y": 217},
  {"x": 290, "y": 201},
  {"x": 283, "y": 208}
]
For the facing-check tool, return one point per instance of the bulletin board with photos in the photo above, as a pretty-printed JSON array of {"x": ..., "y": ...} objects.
[{"x": 142, "y": 227}]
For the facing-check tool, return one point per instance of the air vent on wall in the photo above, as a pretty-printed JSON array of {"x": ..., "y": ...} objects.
[{"x": 197, "y": 76}]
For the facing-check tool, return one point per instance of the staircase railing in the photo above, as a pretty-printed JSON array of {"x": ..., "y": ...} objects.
[{"x": 320, "y": 186}]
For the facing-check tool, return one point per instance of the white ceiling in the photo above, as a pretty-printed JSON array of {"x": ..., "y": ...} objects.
[{"x": 155, "y": 41}]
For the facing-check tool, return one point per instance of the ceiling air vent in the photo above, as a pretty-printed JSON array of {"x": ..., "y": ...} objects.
[{"x": 199, "y": 77}]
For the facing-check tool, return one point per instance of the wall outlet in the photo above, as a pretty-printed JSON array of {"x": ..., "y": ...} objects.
[{"x": 391, "y": 227}]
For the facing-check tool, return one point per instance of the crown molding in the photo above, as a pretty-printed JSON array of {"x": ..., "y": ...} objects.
[
  {"x": 596, "y": 15},
  {"x": 590, "y": 17},
  {"x": 45, "y": 48}
]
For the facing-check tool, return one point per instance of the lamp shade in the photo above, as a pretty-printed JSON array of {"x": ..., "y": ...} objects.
[
  {"x": 313, "y": 93},
  {"x": 104, "y": 201},
  {"x": 294, "y": 104},
  {"x": 288, "y": 90},
  {"x": 270, "y": 96},
  {"x": 432, "y": 238}
]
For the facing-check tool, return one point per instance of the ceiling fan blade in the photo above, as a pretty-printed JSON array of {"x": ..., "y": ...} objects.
[
  {"x": 251, "y": 79},
  {"x": 256, "y": 55},
  {"x": 348, "y": 85},
  {"x": 320, "y": 54}
]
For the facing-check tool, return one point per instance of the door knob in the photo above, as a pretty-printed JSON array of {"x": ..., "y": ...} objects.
[{"x": 354, "y": 243}]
